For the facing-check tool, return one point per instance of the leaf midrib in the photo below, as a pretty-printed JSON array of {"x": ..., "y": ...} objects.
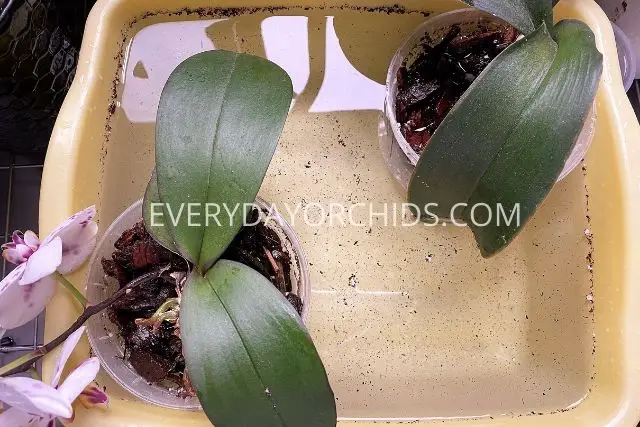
[
  {"x": 246, "y": 349},
  {"x": 213, "y": 148},
  {"x": 517, "y": 123}
]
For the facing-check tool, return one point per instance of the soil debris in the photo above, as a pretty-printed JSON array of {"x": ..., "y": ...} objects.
[
  {"x": 431, "y": 85},
  {"x": 147, "y": 317}
]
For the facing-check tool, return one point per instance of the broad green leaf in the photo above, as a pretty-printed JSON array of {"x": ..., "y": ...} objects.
[
  {"x": 475, "y": 129},
  {"x": 155, "y": 216},
  {"x": 525, "y": 15},
  {"x": 504, "y": 145},
  {"x": 533, "y": 156},
  {"x": 248, "y": 354},
  {"x": 219, "y": 119}
]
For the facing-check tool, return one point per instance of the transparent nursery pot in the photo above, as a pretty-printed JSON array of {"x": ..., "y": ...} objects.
[
  {"x": 103, "y": 334},
  {"x": 400, "y": 157}
]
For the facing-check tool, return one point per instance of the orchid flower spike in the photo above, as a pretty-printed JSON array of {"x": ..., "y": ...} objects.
[
  {"x": 25, "y": 291},
  {"x": 37, "y": 404}
]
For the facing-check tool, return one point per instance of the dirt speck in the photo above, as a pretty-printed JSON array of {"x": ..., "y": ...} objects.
[{"x": 353, "y": 281}]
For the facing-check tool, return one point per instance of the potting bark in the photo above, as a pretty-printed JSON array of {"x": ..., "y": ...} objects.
[
  {"x": 156, "y": 353},
  {"x": 431, "y": 84}
]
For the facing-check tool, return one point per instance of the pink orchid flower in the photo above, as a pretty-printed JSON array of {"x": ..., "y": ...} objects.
[
  {"x": 37, "y": 404},
  {"x": 25, "y": 291}
]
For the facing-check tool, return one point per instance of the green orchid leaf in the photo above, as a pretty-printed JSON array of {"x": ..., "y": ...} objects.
[
  {"x": 533, "y": 156},
  {"x": 525, "y": 15},
  {"x": 475, "y": 129},
  {"x": 219, "y": 119},
  {"x": 505, "y": 143},
  {"x": 248, "y": 355},
  {"x": 154, "y": 215}
]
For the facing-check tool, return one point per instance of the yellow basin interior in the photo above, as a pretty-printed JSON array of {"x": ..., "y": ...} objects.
[{"x": 545, "y": 332}]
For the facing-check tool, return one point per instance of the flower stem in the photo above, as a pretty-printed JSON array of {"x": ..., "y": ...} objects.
[
  {"x": 34, "y": 374},
  {"x": 25, "y": 362},
  {"x": 67, "y": 284},
  {"x": 21, "y": 364}
]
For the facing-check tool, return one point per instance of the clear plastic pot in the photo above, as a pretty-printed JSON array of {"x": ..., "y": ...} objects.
[
  {"x": 400, "y": 157},
  {"x": 103, "y": 334},
  {"x": 626, "y": 57}
]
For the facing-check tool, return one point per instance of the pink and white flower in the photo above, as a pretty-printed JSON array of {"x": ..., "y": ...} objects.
[
  {"x": 37, "y": 404},
  {"x": 25, "y": 291}
]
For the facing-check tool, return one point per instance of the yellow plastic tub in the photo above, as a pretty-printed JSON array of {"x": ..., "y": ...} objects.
[{"x": 545, "y": 333}]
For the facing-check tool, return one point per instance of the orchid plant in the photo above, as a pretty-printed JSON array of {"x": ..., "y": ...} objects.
[
  {"x": 24, "y": 294},
  {"x": 506, "y": 140},
  {"x": 219, "y": 119},
  {"x": 37, "y": 404},
  {"x": 25, "y": 291}
]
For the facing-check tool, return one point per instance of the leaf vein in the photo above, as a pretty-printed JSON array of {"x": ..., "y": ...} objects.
[
  {"x": 246, "y": 349},
  {"x": 213, "y": 148}
]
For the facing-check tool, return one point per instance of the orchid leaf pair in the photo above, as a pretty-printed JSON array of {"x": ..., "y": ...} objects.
[
  {"x": 248, "y": 355},
  {"x": 25, "y": 291},
  {"x": 505, "y": 142},
  {"x": 38, "y": 404}
]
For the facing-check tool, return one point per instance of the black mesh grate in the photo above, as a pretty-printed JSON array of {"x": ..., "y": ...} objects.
[
  {"x": 19, "y": 193},
  {"x": 39, "y": 43}
]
